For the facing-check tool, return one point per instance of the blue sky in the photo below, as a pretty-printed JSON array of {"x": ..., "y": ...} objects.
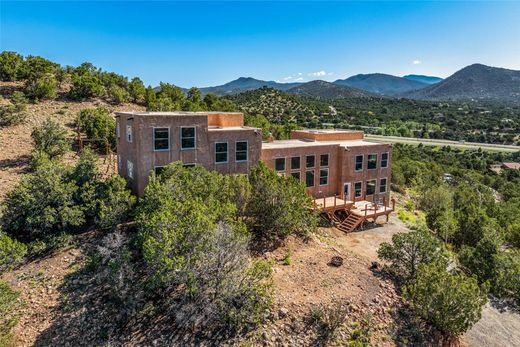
[{"x": 209, "y": 43}]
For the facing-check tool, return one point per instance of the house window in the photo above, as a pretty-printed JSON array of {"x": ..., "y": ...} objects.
[
  {"x": 279, "y": 164},
  {"x": 382, "y": 185},
  {"x": 161, "y": 139},
  {"x": 241, "y": 151},
  {"x": 119, "y": 163},
  {"x": 371, "y": 187},
  {"x": 309, "y": 178},
  {"x": 310, "y": 161},
  {"x": 295, "y": 163},
  {"x": 130, "y": 169},
  {"x": 324, "y": 177},
  {"x": 221, "y": 152},
  {"x": 296, "y": 174},
  {"x": 188, "y": 138},
  {"x": 384, "y": 160},
  {"x": 118, "y": 133},
  {"x": 324, "y": 160},
  {"x": 359, "y": 162},
  {"x": 189, "y": 165},
  {"x": 358, "y": 189},
  {"x": 129, "y": 133},
  {"x": 158, "y": 170},
  {"x": 372, "y": 161}
]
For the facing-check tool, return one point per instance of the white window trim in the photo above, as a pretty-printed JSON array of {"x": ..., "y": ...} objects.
[
  {"x": 169, "y": 139},
  {"x": 375, "y": 187},
  {"x": 328, "y": 159},
  {"x": 387, "y": 160},
  {"x": 310, "y": 167},
  {"x": 369, "y": 161},
  {"x": 227, "y": 153},
  {"x": 386, "y": 185},
  {"x": 156, "y": 167},
  {"x": 284, "y": 164},
  {"x": 362, "y": 162},
  {"x": 296, "y": 156},
  {"x": 130, "y": 173},
  {"x": 129, "y": 131},
  {"x": 319, "y": 179},
  {"x": 194, "y": 139},
  {"x": 119, "y": 162},
  {"x": 118, "y": 131},
  {"x": 361, "y": 191},
  {"x": 247, "y": 151},
  {"x": 298, "y": 172},
  {"x": 313, "y": 178}
]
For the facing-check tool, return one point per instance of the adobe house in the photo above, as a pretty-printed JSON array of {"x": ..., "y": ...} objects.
[{"x": 345, "y": 174}]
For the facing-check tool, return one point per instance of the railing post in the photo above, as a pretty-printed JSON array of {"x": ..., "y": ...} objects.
[
  {"x": 334, "y": 201},
  {"x": 393, "y": 204},
  {"x": 324, "y": 201}
]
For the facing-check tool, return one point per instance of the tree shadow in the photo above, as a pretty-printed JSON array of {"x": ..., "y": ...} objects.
[{"x": 21, "y": 163}]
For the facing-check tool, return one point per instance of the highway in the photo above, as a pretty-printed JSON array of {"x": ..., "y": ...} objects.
[{"x": 434, "y": 142}]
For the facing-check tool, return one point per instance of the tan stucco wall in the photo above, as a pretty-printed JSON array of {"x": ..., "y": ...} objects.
[{"x": 317, "y": 135}]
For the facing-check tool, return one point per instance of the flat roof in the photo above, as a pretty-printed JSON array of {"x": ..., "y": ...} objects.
[
  {"x": 216, "y": 128},
  {"x": 176, "y": 113},
  {"x": 295, "y": 143},
  {"x": 326, "y": 131}
]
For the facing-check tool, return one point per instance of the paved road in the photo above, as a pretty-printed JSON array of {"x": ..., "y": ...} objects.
[{"x": 432, "y": 142}]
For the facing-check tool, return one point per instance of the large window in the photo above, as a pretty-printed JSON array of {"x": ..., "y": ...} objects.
[
  {"x": 279, "y": 164},
  {"x": 324, "y": 160},
  {"x": 382, "y": 185},
  {"x": 371, "y": 187},
  {"x": 161, "y": 139},
  {"x": 241, "y": 151},
  {"x": 310, "y": 161},
  {"x": 372, "y": 161},
  {"x": 130, "y": 169},
  {"x": 384, "y": 160},
  {"x": 188, "y": 138},
  {"x": 324, "y": 177},
  {"x": 359, "y": 162},
  {"x": 358, "y": 189},
  {"x": 221, "y": 152},
  {"x": 309, "y": 178},
  {"x": 129, "y": 133},
  {"x": 295, "y": 163},
  {"x": 296, "y": 174},
  {"x": 118, "y": 133}
]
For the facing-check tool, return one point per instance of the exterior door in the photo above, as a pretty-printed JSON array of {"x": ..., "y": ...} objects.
[{"x": 346, "y": 191}]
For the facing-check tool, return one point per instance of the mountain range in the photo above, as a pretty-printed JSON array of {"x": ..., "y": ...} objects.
[{"x": 383, "y": 84}]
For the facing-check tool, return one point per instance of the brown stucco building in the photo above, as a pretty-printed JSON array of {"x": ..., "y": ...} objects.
[{"x": 331, "y": 163}]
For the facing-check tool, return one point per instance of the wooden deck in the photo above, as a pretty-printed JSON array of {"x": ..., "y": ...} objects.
[{"x": 332, "y": 203}]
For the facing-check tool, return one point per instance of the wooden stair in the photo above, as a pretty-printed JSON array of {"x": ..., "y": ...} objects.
[
  {"x": 334, "y": 218},
  {"x": 350, "y": 223}
]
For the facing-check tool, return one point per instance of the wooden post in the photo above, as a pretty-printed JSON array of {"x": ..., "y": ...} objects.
[
  {"x": 324, "y": 201},
  {"x": 393, "y": 204},
  {"x": 334, "y": 202}
]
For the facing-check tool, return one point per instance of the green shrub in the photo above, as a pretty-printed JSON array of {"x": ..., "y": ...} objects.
[
  {"x": 118, "y": 94},
  {"x": 50, "y": 138},
  {"x": 329, "y": 318},
  {"x": 10, "y": 66},
  {"x": 42, "y": 87},
  {"x": 10, "y": 312},
  {"x": 98, "y": 124},
  {"x": 14, "y": 114},
  {"x": 137, "y": 90},
  {"x": 12, "y": 252},
  {"x": 115, "y": 203},
  {"x": 86, "y": 86}
]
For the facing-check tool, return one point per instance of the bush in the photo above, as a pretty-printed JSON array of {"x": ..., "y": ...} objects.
[
  {"x": 12, "y": 252},
  {"x": 137, "y": 90},
  {"x": 10, "y": 66},
  {"x": 86, "y": 86},
  {"x": 43, "y": 87},
  {"x": 13, "y": 114},
  {"x": 452, "y": 302},
  {"x": 279, "y": 206},
  {"x": 118, "y": 94},
  {"x": 50, "y": 138},
  {"x": 10, "y": 312},
  {"x": 329, "y": 318},
  {"x": 99, "y": 125},
  {"x": 408, "y": 250},
  {"x": 35, "y": 67},
  {"x": 115, "y": 203}
]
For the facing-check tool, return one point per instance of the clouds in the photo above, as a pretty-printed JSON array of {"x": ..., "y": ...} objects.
[
  {"x": 293, "y": 78},
  {"x": 416, "y": 62},
  {"x": 320, "y": 73},
  {"x": 300, "y": 76}
]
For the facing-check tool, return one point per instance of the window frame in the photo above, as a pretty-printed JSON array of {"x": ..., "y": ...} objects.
[
  {"x": 328, "y": 159},
  {"x": 313, "y": 178},
  {"x": 325, "y": 169},
  {"x": 368, "y": 161},
  {"x": 194, "y": 138},
  {"x": 246, "y": 150},
  {"x": 362, "y": 162},
  {"x": 366, "y": 187},
  {"x": 360, "y": 189},
  {"x": 296, "y": 173},
  {"x": 284, "y": 164},
  {"x": 299, "y": 162},
  {"x": 387, "y": 159},
  {"x": 386, "y": 185},
  {"x": 153, "y": 136},
  {"x": 227, "y": 152},
  {"x": 158, "y": 167},
  {"x": 118, "y": 131},
  {"x": 129, "y": 169},
  {"x": 313, "y": 161},
  {"x": 129, "y": 133}
]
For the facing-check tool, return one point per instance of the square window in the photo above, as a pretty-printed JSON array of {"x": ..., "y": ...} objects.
[
  {"x": 371, "y": 187},
  {"x": 130, "y": 169},
  {"x": 384, "y": 160},
  {"x": 296, "y": 175},
  {"x": 159, "y": 170},
  {"x": 295, "y": 163},
  {"x": 359, "y": 163},
  {"x": 118, "y": 133},
  {"x": 188, "y": 138},
  {"x": 324, "y": 160},
  {"x": 382, "y": 185},
  {"x": 310, "y": 161},
  {"x": 372, "y": 161},
  {"x": 279, "y": 164},
  {"x": 241, "y": 151},
  {"x": 188, "y": 165},
  {"x": 324, "y": 177},
  {"x": 358, "y": 189},
  {"x": 221, "y": 152},
  {"x": 309, "y": 178},
  {"x": 161, "y": 139},
  {"x": 129, "y": 133}
]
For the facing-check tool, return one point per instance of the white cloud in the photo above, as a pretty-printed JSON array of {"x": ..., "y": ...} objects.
[
  {"x": 416, "y": 62},
  {"x": 317, "y": 73},
  {"x": 299, "y": 79}
]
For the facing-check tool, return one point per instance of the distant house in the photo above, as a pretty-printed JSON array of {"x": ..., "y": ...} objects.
[{"x": 498, "y": 168}]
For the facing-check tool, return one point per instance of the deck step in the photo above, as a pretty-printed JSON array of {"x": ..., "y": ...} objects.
[{"x": 350, "y": 223}]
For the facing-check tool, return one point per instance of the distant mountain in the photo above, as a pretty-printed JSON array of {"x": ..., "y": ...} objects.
[
  {"x": 379, "y": 83},
  {"x": 476, "y": 81},
  {"x": 243, "y": 84},
  {"x": 423, "y": 79},
  {"x": 325, "y": 89}
]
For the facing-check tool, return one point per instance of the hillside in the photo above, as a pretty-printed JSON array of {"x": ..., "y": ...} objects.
[
  {"x": 329, "y": 90},
  {"x": 423, "y": 79},
  {"x": 243, "y": 84},
  {"x": 379, "y": 83},
  {"x": 476, "y": 81}
]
